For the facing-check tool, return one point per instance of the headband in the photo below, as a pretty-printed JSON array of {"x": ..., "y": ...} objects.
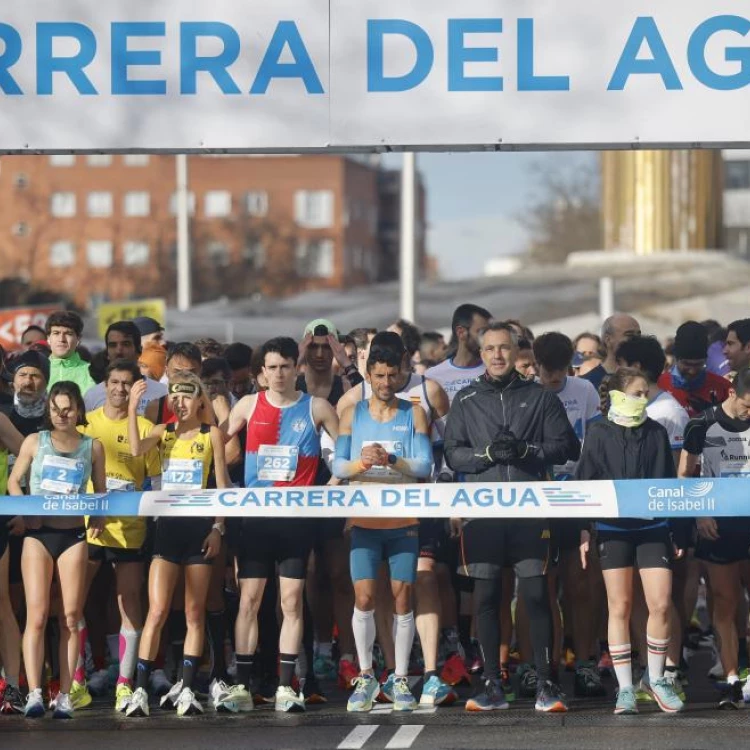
[{"x": 189, "y": 389}]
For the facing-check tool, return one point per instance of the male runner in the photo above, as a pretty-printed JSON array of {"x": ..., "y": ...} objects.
[
  {"x": 383, "y": 439},
  {"x": 719, "y": 439},
  {"x": 32, "y": 335},
  {"x": 362, "y": 338},
  {"x": 64, "y": 329},
  {"x": 152, "y": 332},
  {"x": 737, "y": 344},
  {"x": 283, "y": 450},
  {"x": 239, "y": 358},
  {"x": 615, "y": 329},
  {"x": 182, "y": 356}
]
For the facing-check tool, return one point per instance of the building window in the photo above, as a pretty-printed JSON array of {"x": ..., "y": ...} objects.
[
  {"x": 173, "y": 204},
  {"x": 314, "y": 208},
  {"x": 315, "y": 259},
  {"x": 63, "y": 205},
  {"x": 21, "y": 181},
  {"x": 62, "y": 254},
  {"x": 254, "y": 255},
  {"x": 100, "y": 204},
  {"x": 137, "y": 204},
  {"x": 99, "y": 160},
  {"x": 136, "y": 160},
  {"x": 218, "y": 204},
  {"x": 218, "y": 253},
  {"x": 257, "y": 203},
  {"x": 135, "y": 253},
  {"x": 20, "y": 229},
  {"x": 99, "y": 253},
  {"x": 737, "y": 175},
  {"x": 62, "y": 160}
]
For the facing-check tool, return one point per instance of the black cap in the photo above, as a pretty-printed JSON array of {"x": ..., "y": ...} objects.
[
  {"x": 29, "y": 359},
  {"x": 147, "y": 326},
  {"x": 691, "y": 341}
]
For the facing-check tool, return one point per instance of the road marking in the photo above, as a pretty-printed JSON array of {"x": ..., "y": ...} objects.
[
  {"x": 404, "y": 738},
  {"x": 387, "y": 708},
  {"x": 357, "y": 737}
]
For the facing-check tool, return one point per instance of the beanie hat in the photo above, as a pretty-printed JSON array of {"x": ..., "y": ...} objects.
[
  {"x": 691, "y": 341},
  {"x": 29, "y": 359},
  {"x": 154, "y": 356}
]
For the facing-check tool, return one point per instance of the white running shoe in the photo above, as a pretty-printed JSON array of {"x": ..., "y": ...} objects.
[
  {"x": 229, "y": 698},
  {"x": 34, "y": 708},
  {"x": 63, "y": 707},
  {"x": 169, "y": 701},
  {"x": 288, "y": 701},
  {"x": 187, "y": 704},
  {"x": 138, "y": 704}
]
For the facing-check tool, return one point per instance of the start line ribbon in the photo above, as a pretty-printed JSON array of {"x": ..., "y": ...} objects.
[{"x": 663, "y": 498}]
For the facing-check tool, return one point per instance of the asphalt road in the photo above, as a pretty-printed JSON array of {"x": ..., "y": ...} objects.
[{"x": 589, "y": 724}]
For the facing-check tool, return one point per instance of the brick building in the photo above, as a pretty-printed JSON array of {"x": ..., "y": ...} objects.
[{"x": 102, "y": 227}]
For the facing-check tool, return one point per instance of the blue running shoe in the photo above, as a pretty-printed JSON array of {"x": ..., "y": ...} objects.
[
  {"x": 627, "y": 703},
  {"x": 666, "y": 697},
  {"x": 365, "y": 690},
  {"x": 435, "y": 692},
  {"x": 403, "y": 700},
  {"x": 492, "y": 698},
  {"x": 550, "y": 699},
  {"x": 34, "y": 708},
  {"x": 387, "y": 689}
]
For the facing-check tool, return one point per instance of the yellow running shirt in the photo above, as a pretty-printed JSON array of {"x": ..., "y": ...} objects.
[
  {"x": 186, "y": 464},
  {"x": 124, "y": 473}
]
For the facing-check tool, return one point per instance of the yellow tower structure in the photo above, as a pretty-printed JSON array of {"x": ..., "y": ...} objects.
[{"x": 657, "y": 201}]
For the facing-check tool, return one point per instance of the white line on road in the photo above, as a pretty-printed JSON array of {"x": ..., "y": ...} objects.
[
  {"x": 404, "y": 738},
  {"x": 357, "y": 737}
]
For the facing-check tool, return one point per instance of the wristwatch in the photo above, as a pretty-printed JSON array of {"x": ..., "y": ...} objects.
[
  {"x": 220, "y": 528},
  {"x": 392, "y": 459}
]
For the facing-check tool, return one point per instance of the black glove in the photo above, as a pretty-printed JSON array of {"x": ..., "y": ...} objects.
[{"x": 507, "y": 449}]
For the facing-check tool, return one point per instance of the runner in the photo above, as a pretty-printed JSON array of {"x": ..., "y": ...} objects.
[
  {"x": 153, "y": 362},
  {"x": 362, "y": 338},
  {"x": 554, "y": 354},
  {"x": 121, "y": 540},
  {"x": 31, "y": 336},
  {"x": 152, "y": 332},
  {"x": 504, "y": 428},
  {"x": 629, "y": 445},
  {"x": 182, "y": 357},
  {"x": 64, "y": 329},
  {"x": 59, "y": 460},
  {"x": 283, "y": 449},
  {"x": 187, "y": 449},
  {"x": 719, "y": 439},
  {"x": 737, "y": 345},
  {"x": 615, "y": 329},
  {"x": 122, "y": 341},
  {"x": 525, "y": 361},
  {"x": 384, "y": 440},
  {"x": 239, "y": 358}
]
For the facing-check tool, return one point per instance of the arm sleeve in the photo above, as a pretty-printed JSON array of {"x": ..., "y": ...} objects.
[
  {"x": 343, "y": 466},
  {"x": 420, "y": 464},
  {"x": 695, "y": 436},
  {"x": 460, "y": 454},
  {"x": 559, "y": 442}
]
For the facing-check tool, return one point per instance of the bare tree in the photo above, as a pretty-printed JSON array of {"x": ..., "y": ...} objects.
[{"x": 564, "y": 212}]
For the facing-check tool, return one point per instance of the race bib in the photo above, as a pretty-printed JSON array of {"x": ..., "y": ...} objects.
[
  {"x": 735, "y": 469},
  {"x": 385, "y": 473},
  {"x": 182, "y": 474},
  {"x": 120, "y": 485},
  {"x": 62, "y": 475},
  {"x": 277, "y": 463}
]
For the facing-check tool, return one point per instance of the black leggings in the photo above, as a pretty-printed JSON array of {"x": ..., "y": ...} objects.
[{"x": 487, "y": 595}]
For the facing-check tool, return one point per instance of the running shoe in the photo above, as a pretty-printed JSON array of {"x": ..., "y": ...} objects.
[
  {"x": 733, "y": 697},
  {"x": 287, "y": 701},
  {"x": 403, "y": 700},
  {"x": 387, "y": 691},
  {"x": 366, "y": 689},
  {"x": 674, "y": 677},
  {"x": 187, "y": 704},
  {"x": 744, "y": 673},
  {"x": 324, "y": 668},
  {"x": 490, "y": 698},
  {"x": 34, "y": 708},
  {"x": 348, "y": 674},
  {"x": 569, "y": 660},
  {"x": 587, "y": 683},
  {"x": 550, "y": 699},
  {"x": 643, "y": 686},
  {"x": 435, "y": 692},
  {"x": 138, "y": 704},
  {"x": 666, "y": 697},
  {"x": 98, "y": 683},
  {"x": 159, "y": 683},
  {"x": 311, "y": 690},
  {"x": 746, "y": 692},
  {"x": 80, "y": 697},
  {"x": 12, "y": 702},
  {"x": 232, "y": 699},
  {"x": 626, "y": 701},
  {"x": 123, "y": 696},
  {"x": 454, "y": 671},
  {"x": 507, "y": 686},
  {"x": 169, "y": 701},
  {"x": 63, "y": 707},
  {"x": 528, "y": 681},
  {"x": 605, "y": 665}
]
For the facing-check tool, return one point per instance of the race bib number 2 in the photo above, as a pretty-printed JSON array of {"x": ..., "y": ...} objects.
[
  {"x": 62, "y": 475},
  {"x": 277, "y": 463}
]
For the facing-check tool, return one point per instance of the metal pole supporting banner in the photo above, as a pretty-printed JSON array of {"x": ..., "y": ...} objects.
[
  {"x": 184, "y": 291},
  {"x": 408, "y": 259}
]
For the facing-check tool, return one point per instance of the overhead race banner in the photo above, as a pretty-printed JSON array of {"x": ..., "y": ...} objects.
[
  {"x": 111, "y": 312},
  {"x": 15, "y": 320},
  {"x": 374, "y": 74},
  {"x": 586, "y": 500}
]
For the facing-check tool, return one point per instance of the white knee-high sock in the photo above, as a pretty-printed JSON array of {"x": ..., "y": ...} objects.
[
  {"x": 657, "y": 656},
  {"x": 363, "y": 625},
  {"x": 403, "y": 638},
  {"x": 621, "y": 659}
]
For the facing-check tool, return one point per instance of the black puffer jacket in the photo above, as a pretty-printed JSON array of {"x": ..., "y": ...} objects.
[{"x": 484, "y": 409}]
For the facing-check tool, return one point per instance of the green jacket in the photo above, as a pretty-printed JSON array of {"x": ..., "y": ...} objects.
[{"x": 73, "y": 368}]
